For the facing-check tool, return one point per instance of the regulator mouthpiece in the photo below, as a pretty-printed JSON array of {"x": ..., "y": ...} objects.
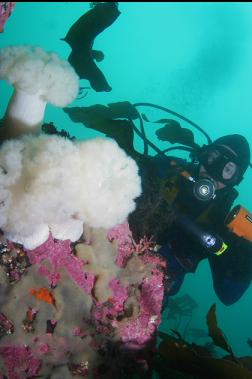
[{"x": 204, "y": 189}]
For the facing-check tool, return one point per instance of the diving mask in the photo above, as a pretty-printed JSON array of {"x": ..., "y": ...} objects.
[{"x": 220, "y": 163}]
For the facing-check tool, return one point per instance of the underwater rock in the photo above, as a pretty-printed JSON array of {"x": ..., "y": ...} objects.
[{"x": 95, "y": 328}]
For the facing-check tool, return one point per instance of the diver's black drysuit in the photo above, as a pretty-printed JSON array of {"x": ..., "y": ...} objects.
[{"x": 166, "y": 196}]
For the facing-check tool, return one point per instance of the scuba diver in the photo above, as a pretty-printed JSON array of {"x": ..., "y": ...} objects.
[{"x": 186, "y": 206}]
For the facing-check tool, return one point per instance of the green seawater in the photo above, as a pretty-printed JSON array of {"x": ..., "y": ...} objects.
[{"x": 194, "y": 58}]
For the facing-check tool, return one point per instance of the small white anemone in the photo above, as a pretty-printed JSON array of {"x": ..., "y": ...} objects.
[
  {"x": 30, "y": 241},
  {"x": 71, "y": 229},
  {"x": 38, "y": 77}
]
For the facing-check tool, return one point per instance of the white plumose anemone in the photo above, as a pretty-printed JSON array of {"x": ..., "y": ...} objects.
[
  {"x": 49, "y": 183},
  {"x": 38, "y": 78}
]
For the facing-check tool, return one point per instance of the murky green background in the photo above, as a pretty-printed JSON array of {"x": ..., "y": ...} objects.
[{"x": 194, "y": 58}]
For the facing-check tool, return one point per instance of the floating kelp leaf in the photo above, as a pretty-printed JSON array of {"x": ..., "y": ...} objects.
[
  {"x": 91, "y": 116},
  {"x": 171, "y": 347},
  {"x": 169, "y": 121},
  {"x": 104, "y": 119},
  {"x": 176, "y": 358},
  {"x": 81, "y": 36},
  {"x": 123, "y": 109},
  {"x": 215, "y": 332},
  {"x": 174, "y": 133},
  {"x": 195, "y": 360}
]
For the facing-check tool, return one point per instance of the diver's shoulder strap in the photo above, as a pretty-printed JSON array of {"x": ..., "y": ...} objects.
[
  {"x": 235, "y": 194},
  {"x": 221, "y": 205},
  {"x": 228, "y": 198}
]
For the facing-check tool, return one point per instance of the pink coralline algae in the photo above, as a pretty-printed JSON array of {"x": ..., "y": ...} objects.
[
  {"x": 120, "y": 294},
  {"x": 6, "y": 9},
  {"x": 137, "y": 330},
  {"x": 59, "y": 255},
  {"x": 20, "y": 362},
  {"x": 127, "y": 246},
  {"x": 103, "y": 313},
  {"x": 122, "y": 234},
  {"x": 140, "y": 330},
  {"x": 154, "y": 259}
]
